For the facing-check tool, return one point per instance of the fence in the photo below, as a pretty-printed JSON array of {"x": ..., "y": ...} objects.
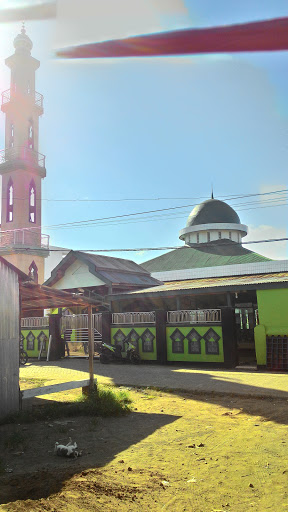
[
  {"x": 77, "y": 322},
  {"x": 36, "y": 321},
  {"x": 30, "y": 237},
  {"x": 277, "y": 352},
  {"x": 132, "y": 318},
  {"x": 194, "y": 316}
]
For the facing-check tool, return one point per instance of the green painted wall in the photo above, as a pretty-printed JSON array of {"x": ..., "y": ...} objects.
[
  {"x": 203, "y": 357},
  {"x": 273, "y": 319},
  {"x": 36, "y": 332},
  {"x": 147, "y": 356}
]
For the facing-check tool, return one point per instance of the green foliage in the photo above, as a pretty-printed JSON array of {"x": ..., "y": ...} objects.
[
  {"x": 100, "y": 401},
  {"x": 104, "y": 401}
]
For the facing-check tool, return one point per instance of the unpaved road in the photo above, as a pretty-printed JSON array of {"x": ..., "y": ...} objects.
[{"x": 174, "y": 452}]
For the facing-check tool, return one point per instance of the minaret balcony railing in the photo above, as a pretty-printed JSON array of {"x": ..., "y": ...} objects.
[
  {"x": 30, "y": 238},
  {"x": 12, "y": 95},
  {"x": 22, "y": 154}
]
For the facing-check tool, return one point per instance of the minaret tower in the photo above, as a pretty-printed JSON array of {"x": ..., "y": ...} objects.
[{"x": 22, "y": 166}]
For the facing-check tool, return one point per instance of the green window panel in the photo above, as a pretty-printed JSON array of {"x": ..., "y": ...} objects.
[
  {"x": 197, "y": 344},
  {"x": 143, "y": 338},
  {"x": 32, "y": 338}
]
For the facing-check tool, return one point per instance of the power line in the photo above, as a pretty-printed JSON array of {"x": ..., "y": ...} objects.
[
  {"x": 227, "y": 197},
  {"x": 166, "y": 248},
  {"x": 106, "y": 220},
  {"x": 120, "y": 218},
  {"x": 89, "y": 221},
  {"x": 152, "y": 218}
]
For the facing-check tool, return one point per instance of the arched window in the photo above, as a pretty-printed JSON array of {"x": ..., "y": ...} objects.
[
  {"x": 32, "y": 202},
  {"x": 208, "y": 236},
  {"x": 219, "y": 235},
  {"x": 10, "y": 201},
  {"x": 30, "y": 134},
  {"x": 197, "y": 238},
  {"x": 33, "y": 272},
  {"x": 11, "y": 144}
]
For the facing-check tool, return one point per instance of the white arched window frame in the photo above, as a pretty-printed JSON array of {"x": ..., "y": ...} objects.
[
  {"x": 31, "y": 134},
  {"x": 32, "y": 202},
  {"x": 33, "y": 272},
  {"x": 10, "y": 201},
  {"x": 11, "y": 141}
]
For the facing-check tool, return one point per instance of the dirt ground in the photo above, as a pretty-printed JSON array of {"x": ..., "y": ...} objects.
[{"x": 174, "y": 452}]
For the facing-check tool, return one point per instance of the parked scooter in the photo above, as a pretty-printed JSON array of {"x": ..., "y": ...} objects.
[
  {"x": 23, "y": 356},
  {"x": 110, "y": 353}
]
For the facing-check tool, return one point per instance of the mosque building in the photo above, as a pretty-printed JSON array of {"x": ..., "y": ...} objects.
[{"x": 213, "y": 237}]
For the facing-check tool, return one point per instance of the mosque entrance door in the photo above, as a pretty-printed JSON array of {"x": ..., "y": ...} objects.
[{"x": 246, "y": 320}]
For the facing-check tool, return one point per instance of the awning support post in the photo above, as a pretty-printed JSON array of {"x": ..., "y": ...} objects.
[{"x": 91, "y": 346}]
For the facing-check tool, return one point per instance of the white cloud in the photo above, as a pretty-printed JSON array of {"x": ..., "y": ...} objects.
[
  {"x": 273, "y": 250},
  {"x": 96, "y": 20}
]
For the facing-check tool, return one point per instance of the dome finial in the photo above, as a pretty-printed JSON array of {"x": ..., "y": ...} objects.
[
  {"x": 23, "y": 43},
  {"x": 212, "y": 195}
]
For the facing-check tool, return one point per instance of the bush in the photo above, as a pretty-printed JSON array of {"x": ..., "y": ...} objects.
[{"x": 101, "y": 401}]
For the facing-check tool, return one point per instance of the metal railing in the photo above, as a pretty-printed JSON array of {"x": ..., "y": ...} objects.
[
  {"x": 81, "y": 322},
  {"x": 24, "y": 154},
  {"x": 36, "y": 321},
  {"x": 194, "y": 316},
  {"x": 27, "y": 237},
  {"x": 11, "y": 94},
  {"x": 143, "y": 317}
]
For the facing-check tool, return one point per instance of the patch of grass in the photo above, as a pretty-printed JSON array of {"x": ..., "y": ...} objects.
[
  {"x": 33, "y": 383},
  {"x": 101, "y": 401}
]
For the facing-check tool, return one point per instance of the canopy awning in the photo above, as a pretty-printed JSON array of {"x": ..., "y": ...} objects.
[{"x": 37, "y": 296}]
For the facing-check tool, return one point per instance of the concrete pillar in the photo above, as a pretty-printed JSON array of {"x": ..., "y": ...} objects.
[
  {"x": 229, "y": 337},
  {"x": 161, "y": 336}
]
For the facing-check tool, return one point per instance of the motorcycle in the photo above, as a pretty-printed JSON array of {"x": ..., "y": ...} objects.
[
  {"x": 23, "y": 356},
  {"x": 110, "y": 353}
]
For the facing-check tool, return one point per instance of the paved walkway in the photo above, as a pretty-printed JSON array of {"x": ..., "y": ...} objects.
[{"x": 247, "y": 383}]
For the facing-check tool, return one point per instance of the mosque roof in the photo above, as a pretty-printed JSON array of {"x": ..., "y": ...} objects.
[
  {"x": 212, "y": 211},
  {"x": 220, "y": 252}
]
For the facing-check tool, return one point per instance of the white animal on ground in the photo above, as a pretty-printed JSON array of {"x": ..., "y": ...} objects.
[{"x": 67, "y": 450}]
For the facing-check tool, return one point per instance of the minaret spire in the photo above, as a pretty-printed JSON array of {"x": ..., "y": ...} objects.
[{"x": 21, "y": 165}]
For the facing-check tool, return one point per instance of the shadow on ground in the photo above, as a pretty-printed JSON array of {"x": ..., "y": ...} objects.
[
  {"x": 198, "y": 384},
  {"x": 102, "y": 440}
]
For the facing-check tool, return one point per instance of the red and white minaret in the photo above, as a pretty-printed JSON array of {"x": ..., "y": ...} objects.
[{"x": 22, "y": 166}]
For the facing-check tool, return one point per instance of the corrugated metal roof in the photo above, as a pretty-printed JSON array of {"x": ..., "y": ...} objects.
[
  {"x": 214, "y": 283},
  {"x": 128, "y": 278},
  {"x": 108, "y": 262},
  {"x": 224, "y": 252},
  {"x": 111, "y": 270}
]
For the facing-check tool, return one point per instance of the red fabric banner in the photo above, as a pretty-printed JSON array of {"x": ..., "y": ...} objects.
[{"x": 271, "y": 35}]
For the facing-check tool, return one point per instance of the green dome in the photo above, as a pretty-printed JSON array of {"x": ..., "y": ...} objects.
[{"x": 212, "y": 211}]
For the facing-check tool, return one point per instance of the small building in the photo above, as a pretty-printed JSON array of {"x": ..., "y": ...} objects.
[
  {"x": 97, "y": 275},
  {"x": 10, "y": 278},
  {"x": 19, "y": 297}
]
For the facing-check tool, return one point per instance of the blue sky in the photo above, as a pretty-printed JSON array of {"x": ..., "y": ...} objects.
[{"x": 155, "y": 128}]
